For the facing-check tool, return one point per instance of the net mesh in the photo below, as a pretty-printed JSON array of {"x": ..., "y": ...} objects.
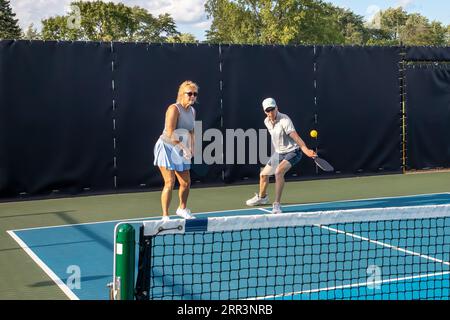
[{"x": 387, "y": 259}]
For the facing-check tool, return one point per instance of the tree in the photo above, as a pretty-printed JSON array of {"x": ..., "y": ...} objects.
[
  {"x": 232, "y": 22},
  {"x": 100, "y": 21},
  {"x": 283, "y": 22},
  {"x": 183, "y": 38},
  {"x": 396, "y": 26},
  {"x": 151, "y": 29},
  {"x": 9, "y": 29},
  {"x": 447, "y": 35},
  {"x": 417, "y": 31},
  {"x": 349, "y": 25},
  {"x": 392, "y": 20},
  {"x": 315, "y": 22},
  {"x": 31, "y": 33}
]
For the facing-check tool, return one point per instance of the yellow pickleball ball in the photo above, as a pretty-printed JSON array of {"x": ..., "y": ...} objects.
[{"x": 313, "y": 133}]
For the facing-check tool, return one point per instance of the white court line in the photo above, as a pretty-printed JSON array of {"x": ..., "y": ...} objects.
[
  {"x": 87, "y": 223},
  {"x": 130, "y": 220},
  {"x": 378, "y": 243},
  {"x": 232, "y": 210},
  {"x": 69, "y": 293},
  {"x": 366, "y": 199},
  {"x": 347, "y": 286},
  {"x": 367, "y": 283},
  {"x": 384, "y": 244}
]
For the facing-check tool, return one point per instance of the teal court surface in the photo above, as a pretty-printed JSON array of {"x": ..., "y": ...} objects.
[{"x": 397, "y": 258}]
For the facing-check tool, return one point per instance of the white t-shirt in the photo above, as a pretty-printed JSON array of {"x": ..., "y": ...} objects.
[{"x": 279, "y": 132}]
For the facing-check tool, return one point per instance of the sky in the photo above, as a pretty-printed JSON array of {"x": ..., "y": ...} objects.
[{"x": 190, "y": 16}]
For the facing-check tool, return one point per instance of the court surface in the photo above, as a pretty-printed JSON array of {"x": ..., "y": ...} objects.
[{"x": 87, "y": 249}]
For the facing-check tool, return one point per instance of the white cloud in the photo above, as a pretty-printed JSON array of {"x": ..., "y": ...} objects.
[
  {"x": 182, "y": 11},
  {"x": 203, "y": 24},
  {"x": 33, "y": 11},
  {"x": 371, "y": 11},
  {"x": 405, "y": 3}
]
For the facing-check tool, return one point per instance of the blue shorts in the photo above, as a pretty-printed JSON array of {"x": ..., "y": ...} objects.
[{"x": 293, "y": 157}]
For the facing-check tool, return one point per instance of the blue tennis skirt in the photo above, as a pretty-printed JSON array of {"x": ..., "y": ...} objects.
[{"x": 170, "y": 157}]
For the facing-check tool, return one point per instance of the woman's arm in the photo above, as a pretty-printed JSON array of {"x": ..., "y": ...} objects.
[{"x": 171, "y": 123}]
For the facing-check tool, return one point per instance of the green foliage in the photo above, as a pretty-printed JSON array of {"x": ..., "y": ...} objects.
[
  {"x": 31, "y": 33},
  {"x": 235, "y": 21},
  {"x": 283, "y": 22},
  {"x": 151, "y": 29},
  {"x": 101, "y": 21},
  {"x": 232, "y": 22},
  {"x": 417, "y": 31},
  {"x": 399, "y": 27},
  {"x": 315, "y": 22},
  {"x": 182, "y": 38},
  {"x": 9, "y": 29},
  {"x": 447, "y": 36}
]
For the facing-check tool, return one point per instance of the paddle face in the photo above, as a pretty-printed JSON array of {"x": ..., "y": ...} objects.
[{"x": 323, "y": 164}]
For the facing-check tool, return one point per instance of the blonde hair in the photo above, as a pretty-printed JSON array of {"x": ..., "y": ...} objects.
[{"x": 186, "y": 84}]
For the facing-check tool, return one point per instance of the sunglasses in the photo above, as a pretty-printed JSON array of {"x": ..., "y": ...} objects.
[
  {"x": 190, "y": 94},
  {"x": 269, "y": 109}
]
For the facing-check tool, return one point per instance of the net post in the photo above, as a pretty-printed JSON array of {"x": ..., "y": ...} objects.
[{"x": 125, "y": 262}]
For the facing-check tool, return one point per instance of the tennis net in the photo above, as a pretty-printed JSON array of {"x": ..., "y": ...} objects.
[{"x": 376, "y": 253}]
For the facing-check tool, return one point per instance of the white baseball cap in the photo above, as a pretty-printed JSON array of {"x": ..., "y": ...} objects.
[{"x": 269, "y": 103}]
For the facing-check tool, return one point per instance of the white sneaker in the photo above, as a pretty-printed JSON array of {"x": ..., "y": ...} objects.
[
  {"x": 276, "y": 208},
  {"x": 257, "y": 200},
  {"x": 185, "y": 213},
  {"x": 165, "y": 218}
]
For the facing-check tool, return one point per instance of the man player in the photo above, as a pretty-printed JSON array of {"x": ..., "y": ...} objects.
[{"x": 288, "y": 152}]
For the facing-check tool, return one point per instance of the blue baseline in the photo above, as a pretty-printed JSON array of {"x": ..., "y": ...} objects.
[{"x": 90, "y": 246}]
